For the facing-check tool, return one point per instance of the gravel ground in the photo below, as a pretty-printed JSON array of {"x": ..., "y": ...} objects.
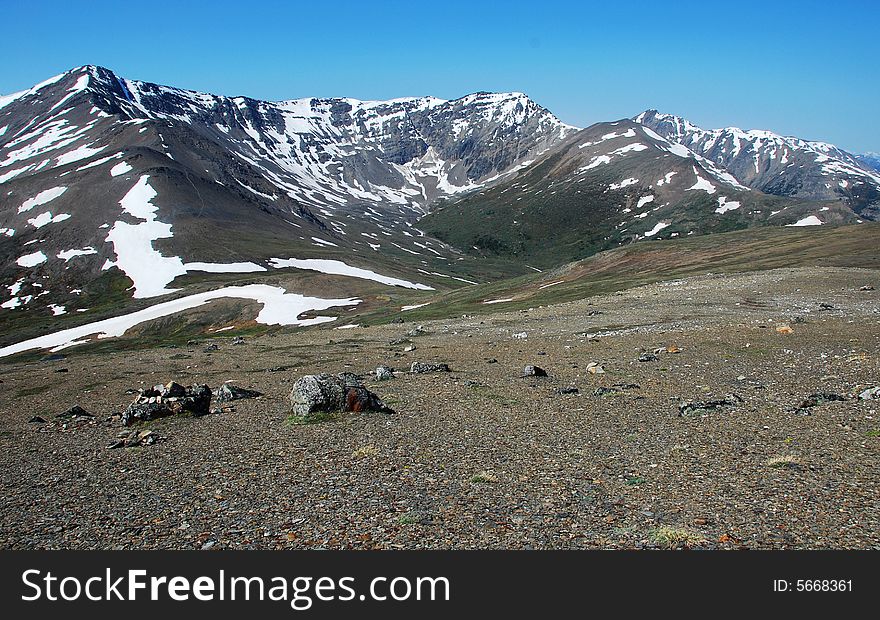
[{"x": 481, "y": 457}]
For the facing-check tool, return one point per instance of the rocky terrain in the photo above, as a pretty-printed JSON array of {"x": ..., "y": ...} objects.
[{"x": 722, "y": 410}]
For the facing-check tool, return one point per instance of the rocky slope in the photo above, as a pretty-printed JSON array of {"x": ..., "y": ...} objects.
[{"x": 779, "y": 165}]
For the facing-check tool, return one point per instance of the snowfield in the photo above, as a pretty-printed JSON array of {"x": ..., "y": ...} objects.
[
  {"x": 338, "y": 268},
  {"x": 279, "y": 308}
]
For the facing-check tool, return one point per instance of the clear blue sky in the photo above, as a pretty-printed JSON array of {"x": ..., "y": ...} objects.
[{"x": 801, "y": 68}]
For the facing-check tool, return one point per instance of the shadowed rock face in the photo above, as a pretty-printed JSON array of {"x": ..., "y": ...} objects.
[
  {"x": 779, "y": 165},
  {"x": 333, "y": 393}
]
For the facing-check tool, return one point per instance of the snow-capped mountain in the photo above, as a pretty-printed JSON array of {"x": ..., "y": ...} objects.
[
  {"x": 102, "y": 178},
  {"x": 115, "y": 192},
  {"x": 870, "y": 160},
  {"x": 774, "y": 164},
  {"x": 610, "y": 184}
]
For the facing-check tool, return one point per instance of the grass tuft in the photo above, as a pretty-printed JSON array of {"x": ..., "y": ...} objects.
[
  {"x": 781, "y": 462},
  {"x": 484, "y": 477},
  {"x": 674, "y": 538}
]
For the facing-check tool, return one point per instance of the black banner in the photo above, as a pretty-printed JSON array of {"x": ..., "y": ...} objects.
[{"x": 429, "y": 584}]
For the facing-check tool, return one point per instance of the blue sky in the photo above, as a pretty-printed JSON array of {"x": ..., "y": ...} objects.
[{"x": 800, "y": 68}]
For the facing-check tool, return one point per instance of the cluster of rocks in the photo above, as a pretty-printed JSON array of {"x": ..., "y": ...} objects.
[
  {"x": 164, "y": 400},
  {"x": 173, "y": 398},
  {"x": 71, "y": 419},
  {"x": 333, "y": 393}
]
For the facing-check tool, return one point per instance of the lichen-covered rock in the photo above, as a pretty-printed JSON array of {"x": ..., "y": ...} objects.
[
  {"x": 383, "y": 373},
  {"x": 332, "y": 393},
  {"x": 420, "y": 367}
]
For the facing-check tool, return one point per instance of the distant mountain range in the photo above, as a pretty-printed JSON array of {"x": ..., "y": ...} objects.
[{"x": 113, "y": 189}]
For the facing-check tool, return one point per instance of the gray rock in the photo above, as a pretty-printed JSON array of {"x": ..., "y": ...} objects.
[
  {"x": 418, "y": 368},
  {"x": 534, "y": 371},
  {"x": 332, "y": 393},
  {"x": 870, "y": 394},
  {"x": 648, "y": 357},
  {"x": 228, "y": 392},
  {"x": 383, "y": 373}
]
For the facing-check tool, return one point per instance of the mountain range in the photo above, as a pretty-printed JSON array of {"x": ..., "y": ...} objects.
[{"x": 115, "y": 191}]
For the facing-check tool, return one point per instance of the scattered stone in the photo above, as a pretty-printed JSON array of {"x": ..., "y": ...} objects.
[
  {"x": 131, "y": 439},
  {"x": 628, "y": 386},
  {"x": 648, "y": 357},
  {"x": 37, "y": 420},
  {"x": 416, "y": 331},
  {"x": 595, "y": 368},
  {"x": 229, "y": 392},
  {"x": 534, "y": 371},
  {"x": 594, "y": 313},
  {"x": 784, "y": 329},
  {"x": 397, "y": 320},
  {"x": 825, "y": 306},
  {"x": 333, "y": 393},
  {"x": 604, "y": 391},
  {"x": 278, "y": 368},
  {"x": 870, "y": 394},
  {"x": 61, "y": 370},
  {"x": 211, "y": 347},
  {"x": 567, "y": 390},
  {"x": 238, "y": 340},
  {"x": 75, "y": 412},
  {"x": 418, "y": 368},
  {"x": 384, "y": 373},
  {"x": 520, "y": 336},
  {"x": 694, "y": 407},
  {"x": 491, "y": 360},
  {"x": 867, "y": 287},
  {"x": 164, "y": 400},
  {"x": 820, "y": 398},
  {"x": 409, "y": 349}
]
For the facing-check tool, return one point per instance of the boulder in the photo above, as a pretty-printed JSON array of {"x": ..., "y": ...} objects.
[{"x": 332, "y": 393}]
